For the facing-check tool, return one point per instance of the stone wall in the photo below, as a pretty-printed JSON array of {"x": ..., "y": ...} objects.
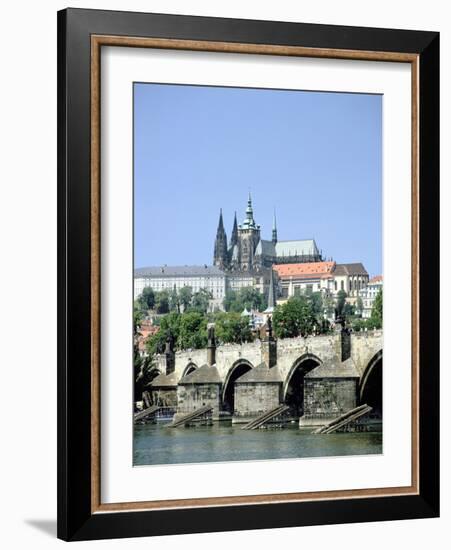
[
  {"x": 253, "y": 399},
  {"x": 166, "y": 397},
  {"x": 191, "y": 397},
  {"x": 327, "y": 398}
]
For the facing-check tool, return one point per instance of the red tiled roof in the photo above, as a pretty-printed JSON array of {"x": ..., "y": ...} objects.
[
  {"x": 376, "y": 279},
  {"x": 308, "y": 270}
]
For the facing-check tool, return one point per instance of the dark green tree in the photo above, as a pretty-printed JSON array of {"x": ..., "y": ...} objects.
[
  {"x": 231, "y": 328},
  {"x": 201, "y": 301},
  {"x": 376, "y": 311},
  {"x": 169, "y": 328},
  {"x": 137, "y": 316},
  {"x": 162, "y": 302},
  {"x": 341, "y": 302},
  {"x": 316, "y": 299},
  {"x": 295, "y": 317},
  {"x": 185, "y": 297},
  {"x": 174, "y": 301},
  {"x": 193, "y": 330},
  {"x": 146, "y": 299},
  {"x": 246, "y": 298}
]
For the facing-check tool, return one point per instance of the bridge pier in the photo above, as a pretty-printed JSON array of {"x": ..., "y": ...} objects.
[{"x": 329, "y": 391}]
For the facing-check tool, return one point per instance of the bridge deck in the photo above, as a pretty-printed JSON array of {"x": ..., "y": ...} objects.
[
  {"x": 265, "y": 417},
  {"x": 343, "y": 420},
  {"x": 191, "y": 416}
]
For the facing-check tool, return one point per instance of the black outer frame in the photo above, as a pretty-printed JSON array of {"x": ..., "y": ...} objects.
[{"x": 75, "y": 520}]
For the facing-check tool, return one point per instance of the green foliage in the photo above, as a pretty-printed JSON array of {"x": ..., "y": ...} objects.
[
  {"x": 146, "y": 300},
  {"x": 137, "y": 316},
  {"x": 185, "y": 295},
  {"x": 341, "y": 302},
  {"x": 376, "y": 311},
  {"x": 295, "y": 317},
  {"x": 231, "y": 328},
  {"x": 193, "y": 330},
  {"x": 174, "y": 302},
  {"x": 316, "y": 299},
  {"x": 246, "y": 298},
  {"x": 200, "y": 301},
  {"x": 375, "y": 321},
  {"x": 162, "y": 302},
  {"x": 169, "y": 328}
]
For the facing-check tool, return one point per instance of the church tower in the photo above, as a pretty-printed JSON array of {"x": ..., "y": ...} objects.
[
  {"x": 220, "y": 258},
  {"x": 248, "y": 238}
]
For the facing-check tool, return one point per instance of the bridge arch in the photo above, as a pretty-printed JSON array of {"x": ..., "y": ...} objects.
[
  {"x": 190, "y": 367},
  {"x": 293, "y": 387},
  {"x": 370, "y": 388},
  {"x": 240, "y": 367}
]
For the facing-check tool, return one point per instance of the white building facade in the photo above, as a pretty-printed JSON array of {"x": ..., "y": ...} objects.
[
  {"x": 368, "y": 295},
  {"x": 168, "y": 278}
]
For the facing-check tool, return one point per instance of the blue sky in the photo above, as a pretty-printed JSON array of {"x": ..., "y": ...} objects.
[{"x": 315, "y": 157}]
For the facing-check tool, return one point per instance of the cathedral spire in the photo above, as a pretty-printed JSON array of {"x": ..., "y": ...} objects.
[
  {"x": 220, "y": 251},
  {"x": 274, "y": 229},
  {"x": 234, "y": 237},
  {"x": 249, "y": 222}
]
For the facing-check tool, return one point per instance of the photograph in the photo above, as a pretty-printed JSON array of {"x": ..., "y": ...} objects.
[{"x": 257, "y": 274}]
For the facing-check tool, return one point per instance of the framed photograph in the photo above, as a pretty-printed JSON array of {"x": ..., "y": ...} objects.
[{"x": 248, "y": 274}]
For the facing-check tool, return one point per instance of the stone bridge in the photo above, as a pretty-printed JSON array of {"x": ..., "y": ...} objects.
[{"x": 340, "y": 364}]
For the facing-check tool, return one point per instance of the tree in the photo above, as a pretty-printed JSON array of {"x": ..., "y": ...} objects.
[
  {"x": 169, "y": 328},
  {"x": 316, "y": 299},
  {"x": 185, "y": 297},
  {"x": 162, "y": 302},
  {"x": 295, "y": 317},
  {"x": 341, "y": 301},
  {"x": 359, "y": 305},
  {"x": 231, "y": 328},
  {"x": 137, "y": 316},
  {"x": 201, "y": 301},
  {"x": 376, "y": 311},
  {"x": 246, "y": 298},
  {"x": 174, "y": 301},
  {"x": 193, "y": 330},
  {"x": 146, "y": 299}
]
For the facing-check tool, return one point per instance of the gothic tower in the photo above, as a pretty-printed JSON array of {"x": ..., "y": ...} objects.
[
  {"x": 220, "y": 258},
  {"x": 248, "y": 238}
]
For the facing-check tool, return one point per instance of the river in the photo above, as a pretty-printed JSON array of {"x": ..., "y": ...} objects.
[{"x": 159, "y": 444}]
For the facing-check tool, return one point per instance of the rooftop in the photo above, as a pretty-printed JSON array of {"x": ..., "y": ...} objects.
[
  {"x": 178, "y": 271},
  {"x": 261, "y": 373},
  {"x": 203, "y": 375},
  {"x": 350, "y": 269},
  {"x": 310, "y": 269},
  {"x": 303, "y": 247},
  {"x": 332, "y": 369},
  {"x": 164, "y": 381},
  {"x": 375, "y": 279}
]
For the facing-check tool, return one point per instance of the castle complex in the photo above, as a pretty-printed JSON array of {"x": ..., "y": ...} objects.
[
  {"x": 248, "y": 260},
  {"x": 248, "y": 252}
]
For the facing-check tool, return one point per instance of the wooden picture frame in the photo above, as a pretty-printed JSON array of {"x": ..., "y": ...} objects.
[{"x": 81, "y": 35}]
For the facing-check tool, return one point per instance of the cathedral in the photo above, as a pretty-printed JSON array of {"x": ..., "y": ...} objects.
[{"x": 247, "y": 252}]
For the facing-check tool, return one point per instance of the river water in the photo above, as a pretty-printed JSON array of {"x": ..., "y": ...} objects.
[{"x": 159, "y": 444}]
